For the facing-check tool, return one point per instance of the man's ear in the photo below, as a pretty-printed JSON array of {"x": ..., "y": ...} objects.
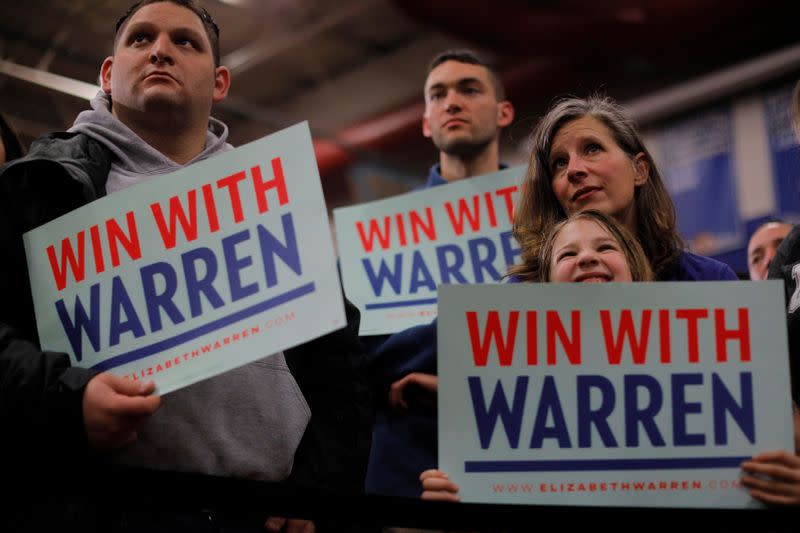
[
  {"x": 505, "y": 113},
  {"x": 641, "y": 164},
  {"x": 222, "y": 82},
  {"x": 426, "y": 128},
  {"x": 105, "y": 74}
]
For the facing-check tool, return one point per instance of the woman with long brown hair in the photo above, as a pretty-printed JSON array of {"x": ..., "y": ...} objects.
[{"x": 588, "y": 154}]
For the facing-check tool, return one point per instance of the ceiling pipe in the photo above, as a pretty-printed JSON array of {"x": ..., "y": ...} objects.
[
  {"x": 335, "y": 154},
  {"x": 62, "y": 84}
]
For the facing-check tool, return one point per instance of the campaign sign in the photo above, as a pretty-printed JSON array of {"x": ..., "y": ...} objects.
[
  {"x": 634, "y": 394},
  {"x": 194, "y": 273},
  {"x": 395, "y": 252}
]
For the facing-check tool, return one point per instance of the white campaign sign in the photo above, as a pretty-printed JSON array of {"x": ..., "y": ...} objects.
[
  {"x": 194, "y": 273},
  {"x": 394, "y": 252},
  {"x": 618, "y": 394}
]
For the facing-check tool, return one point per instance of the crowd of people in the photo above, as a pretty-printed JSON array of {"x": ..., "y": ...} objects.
[{"x": 594, "y": 208}]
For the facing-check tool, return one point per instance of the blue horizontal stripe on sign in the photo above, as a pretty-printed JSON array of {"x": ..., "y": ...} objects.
[
  {"x": 199, "y": 331},
  {"x": 403, "y": 303},
  {"x": 589, "y": 465}
]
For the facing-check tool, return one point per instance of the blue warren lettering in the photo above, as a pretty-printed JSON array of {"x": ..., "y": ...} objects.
[
  {"x": 200, "y": 274},
  {"x": 596, "y": 397},
  {"x": 476, "y": 257}
]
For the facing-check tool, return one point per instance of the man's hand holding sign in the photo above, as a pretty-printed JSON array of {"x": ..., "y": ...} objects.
[{"x": 113, "y": 407}]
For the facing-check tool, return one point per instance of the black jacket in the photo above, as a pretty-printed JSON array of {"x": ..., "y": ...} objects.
[
  {"x": 41, "y": 395},
  {"x": 782, "y": 266}
]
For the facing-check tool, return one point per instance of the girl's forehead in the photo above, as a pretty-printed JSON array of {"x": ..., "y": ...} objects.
[{"x": 583, "y": 227}]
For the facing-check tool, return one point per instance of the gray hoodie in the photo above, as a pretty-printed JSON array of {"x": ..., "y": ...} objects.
[
  {"x": 135, "y": 161},
  {"x": 245, "y": 423}
]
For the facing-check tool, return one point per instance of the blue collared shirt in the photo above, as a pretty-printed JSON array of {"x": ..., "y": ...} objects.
[{"x": 435, "y": 176}]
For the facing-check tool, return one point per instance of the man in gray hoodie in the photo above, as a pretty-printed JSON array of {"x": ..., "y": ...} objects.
[{"x": 303, "y": 415}]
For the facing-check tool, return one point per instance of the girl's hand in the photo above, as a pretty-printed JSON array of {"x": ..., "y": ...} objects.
[
  {"x": 436, "y": 485},
  {"x": 773, "y": 477}
]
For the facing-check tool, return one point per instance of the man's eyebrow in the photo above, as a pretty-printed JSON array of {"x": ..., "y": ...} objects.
[
  {"x": 458, "y": 83},
  {"x": 147, "y": 25},
  {"x": 139, "y": 25}
]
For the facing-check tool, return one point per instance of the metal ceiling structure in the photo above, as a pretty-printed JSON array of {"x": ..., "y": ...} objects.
[{"x": 355, "y": 69}]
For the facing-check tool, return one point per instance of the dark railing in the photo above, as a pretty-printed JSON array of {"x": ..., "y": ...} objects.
[{"x": 248, "y": 503}]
